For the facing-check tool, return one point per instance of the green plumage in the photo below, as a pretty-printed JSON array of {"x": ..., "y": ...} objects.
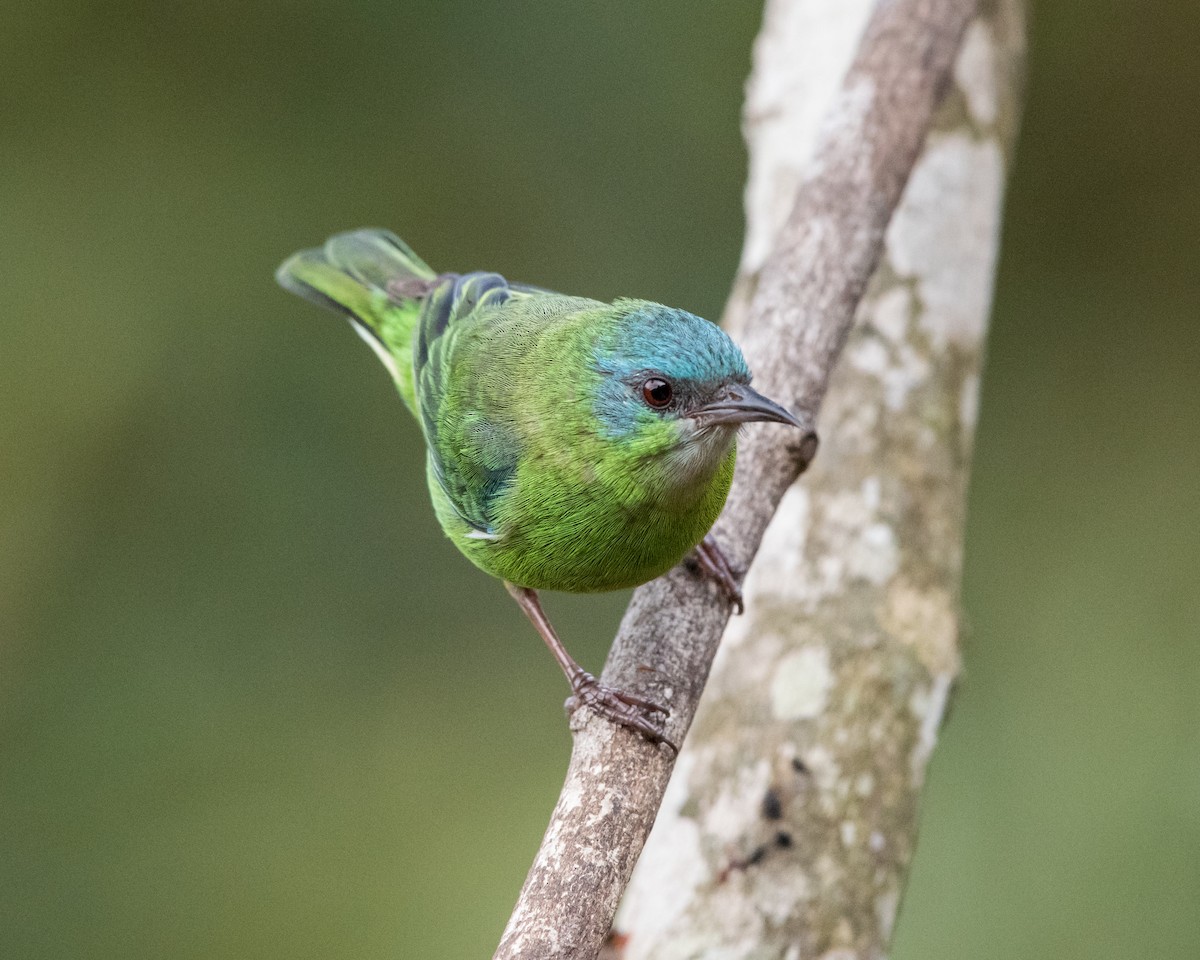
[
  {"x": 530, "y": 476},
  {"x": 571, "y": 444},
  {"x": 352, "y": 274}
]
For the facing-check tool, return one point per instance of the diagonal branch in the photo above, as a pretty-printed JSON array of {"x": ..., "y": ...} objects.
[
  {"x": 790, "y": 823},
  {"x": 796, "y": 324}
]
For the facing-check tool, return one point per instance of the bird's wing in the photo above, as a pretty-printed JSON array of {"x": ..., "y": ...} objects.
[{"x": 473, "y": 451}]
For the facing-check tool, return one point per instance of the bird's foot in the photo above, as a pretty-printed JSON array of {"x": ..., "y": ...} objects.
[
  {"x": 715, "y": 566},
  {"x": 624, "y": 709}
]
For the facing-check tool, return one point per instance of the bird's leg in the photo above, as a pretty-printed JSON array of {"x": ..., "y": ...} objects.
[
  {"x": 619, "y": 707},
  {"x": 713, "y": 564}
]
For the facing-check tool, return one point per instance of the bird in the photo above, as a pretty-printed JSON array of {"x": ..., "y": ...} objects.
[{"x": 571, "y": 445}]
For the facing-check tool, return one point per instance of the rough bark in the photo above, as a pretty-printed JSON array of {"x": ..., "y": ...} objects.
[
  {"x": 801, "y": 303},
  {"x": 790, "y": 822}
]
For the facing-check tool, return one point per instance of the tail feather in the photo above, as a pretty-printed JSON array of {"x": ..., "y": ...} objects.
[
  {"x": 376, "y": 258},
  {"x": 376, "y": 281}
]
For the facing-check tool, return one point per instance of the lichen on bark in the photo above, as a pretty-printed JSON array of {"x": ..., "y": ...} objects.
[{"x": 789, "y": 826}]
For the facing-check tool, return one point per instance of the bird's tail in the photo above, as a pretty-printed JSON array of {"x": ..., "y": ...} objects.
[{"x": 377, "y": 282}]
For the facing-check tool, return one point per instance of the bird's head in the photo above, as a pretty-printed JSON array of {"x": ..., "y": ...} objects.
[{"x": 674, "y": 387}]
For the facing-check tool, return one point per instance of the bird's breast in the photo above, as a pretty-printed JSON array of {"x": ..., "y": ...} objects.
[{"x": 598, "y": 525}]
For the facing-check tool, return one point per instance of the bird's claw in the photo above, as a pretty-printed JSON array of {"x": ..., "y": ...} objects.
[
  {"x": 715, "y": 566},
  {"x": 623, "y": 709}
]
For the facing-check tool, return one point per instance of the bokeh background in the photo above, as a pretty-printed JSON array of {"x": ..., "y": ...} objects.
[{"x": 253, "y": 705}]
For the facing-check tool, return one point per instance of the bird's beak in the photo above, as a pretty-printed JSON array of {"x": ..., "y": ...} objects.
[{"x": 738, "y": 403}]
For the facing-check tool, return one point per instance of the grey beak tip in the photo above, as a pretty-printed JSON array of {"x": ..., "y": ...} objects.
[{"x": 741, "y": 403}]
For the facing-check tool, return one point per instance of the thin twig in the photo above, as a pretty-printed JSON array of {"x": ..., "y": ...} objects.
[{"x": 797, "y": 322}]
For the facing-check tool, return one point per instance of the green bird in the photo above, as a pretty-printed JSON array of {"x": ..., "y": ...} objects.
[{"x": 571, "y": 444}]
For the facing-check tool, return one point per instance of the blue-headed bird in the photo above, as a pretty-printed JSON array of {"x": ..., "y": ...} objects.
[{"x": 571, "y": 444}]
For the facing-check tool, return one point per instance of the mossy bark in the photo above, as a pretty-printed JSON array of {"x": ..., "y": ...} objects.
[
  {"x": 799, "y": 299},
  {"x": 789, "y": 826}
]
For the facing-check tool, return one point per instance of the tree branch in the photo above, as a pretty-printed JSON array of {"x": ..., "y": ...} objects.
[
  {"x": 790, "y": 822},
  {"x": 798, "y": 320}
]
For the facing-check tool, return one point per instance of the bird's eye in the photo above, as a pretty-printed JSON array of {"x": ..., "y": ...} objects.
[{"x": 657, "y": 392}]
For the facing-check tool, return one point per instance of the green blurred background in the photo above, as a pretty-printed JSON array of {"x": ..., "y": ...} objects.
[{"x": 253, "y": 705}]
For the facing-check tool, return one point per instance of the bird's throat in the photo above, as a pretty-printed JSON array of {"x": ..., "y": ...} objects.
[{"x": 689, "y": 471}]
